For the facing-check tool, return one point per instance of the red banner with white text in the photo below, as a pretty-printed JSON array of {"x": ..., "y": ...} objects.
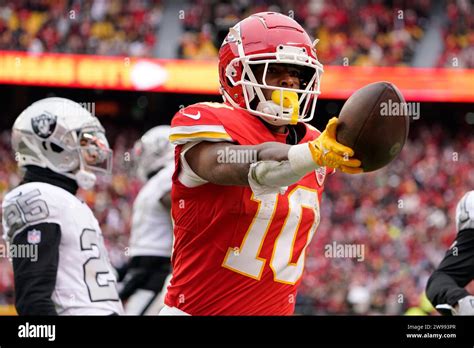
[{"x": 194, "y": 76}]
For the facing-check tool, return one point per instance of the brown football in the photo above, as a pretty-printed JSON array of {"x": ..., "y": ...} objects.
[{"x": 373, "y": 125}]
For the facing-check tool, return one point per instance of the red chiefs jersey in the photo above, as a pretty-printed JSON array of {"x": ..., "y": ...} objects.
[{"x": 234, "y": 253}]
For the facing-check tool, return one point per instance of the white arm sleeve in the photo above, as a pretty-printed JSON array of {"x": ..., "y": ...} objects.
[
  {"x": 186, "y": 175},
  {"x": 266, "y": 177}
]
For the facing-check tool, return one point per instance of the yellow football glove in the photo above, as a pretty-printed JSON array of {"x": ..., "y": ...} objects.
[{"x": 327, "y": 152}]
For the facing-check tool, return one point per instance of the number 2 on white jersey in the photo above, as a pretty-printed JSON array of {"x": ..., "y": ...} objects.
[
  {"x": 100, "y": 282},
  {"x": 245, "y": 260}
]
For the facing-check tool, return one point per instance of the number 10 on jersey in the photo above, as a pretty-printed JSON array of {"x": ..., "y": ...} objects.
[{"x": 247, "y": 261}]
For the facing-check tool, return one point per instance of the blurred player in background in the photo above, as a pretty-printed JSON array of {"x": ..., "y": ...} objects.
[
  {"x": 446, "y": 286},
  {"x": 250, "y": 174},
  {"x": 152, "y": 232},
  {"x": 61, "y": 146}
]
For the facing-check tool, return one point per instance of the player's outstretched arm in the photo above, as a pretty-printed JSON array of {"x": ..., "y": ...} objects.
[
  {"x": 270, "y": 164},
  {"x": 208, "y": 160}
]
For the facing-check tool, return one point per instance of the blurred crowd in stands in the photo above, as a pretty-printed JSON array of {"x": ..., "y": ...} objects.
[
  {"x": 103, "y": 27},
  {"x": 364, "y": 33},
  {"x": 458, "y": 34},
  {"x": 403, "y": 215},
  {"x": 350, "y": 32}
]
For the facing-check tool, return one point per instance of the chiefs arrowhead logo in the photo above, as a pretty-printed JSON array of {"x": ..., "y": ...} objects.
[{"x": 320, "y": 175}]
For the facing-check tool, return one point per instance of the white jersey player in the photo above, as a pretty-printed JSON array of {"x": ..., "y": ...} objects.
[
  {"x": 66, "y": 270},
  {"x": 446, "y": 286},
  {"x": 151, "y": 237}
]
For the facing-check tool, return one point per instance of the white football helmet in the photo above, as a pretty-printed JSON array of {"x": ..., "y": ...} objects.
[
  {"x": 153, "y": 151},
  {"x": 61, "y": 135}
]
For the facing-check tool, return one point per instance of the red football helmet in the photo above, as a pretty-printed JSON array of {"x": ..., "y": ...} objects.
[{"x": 269, "y": 38}]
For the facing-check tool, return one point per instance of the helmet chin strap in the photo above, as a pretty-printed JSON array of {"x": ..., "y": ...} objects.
[{"x": 85, "y": 180}]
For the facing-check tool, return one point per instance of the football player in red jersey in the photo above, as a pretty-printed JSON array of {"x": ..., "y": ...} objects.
[{"x": 249, "y": 175}]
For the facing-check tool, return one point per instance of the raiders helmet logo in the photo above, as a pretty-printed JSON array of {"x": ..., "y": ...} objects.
[{"x": 44, "y": 125}]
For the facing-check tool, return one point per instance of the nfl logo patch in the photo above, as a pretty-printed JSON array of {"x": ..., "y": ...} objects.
[{"x": 34, "y": 237}]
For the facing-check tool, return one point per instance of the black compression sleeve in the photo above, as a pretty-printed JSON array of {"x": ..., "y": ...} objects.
[{"x": 35, "y": 275}]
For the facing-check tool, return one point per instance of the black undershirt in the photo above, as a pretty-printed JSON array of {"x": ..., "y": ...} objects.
[{"x": 38, "y": 174}]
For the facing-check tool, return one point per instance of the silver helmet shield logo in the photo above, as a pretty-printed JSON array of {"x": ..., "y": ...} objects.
[{"x": 44, "y": 124}]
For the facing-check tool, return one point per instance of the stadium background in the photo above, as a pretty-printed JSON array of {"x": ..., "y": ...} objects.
[{"x": 103, "y": 53}]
